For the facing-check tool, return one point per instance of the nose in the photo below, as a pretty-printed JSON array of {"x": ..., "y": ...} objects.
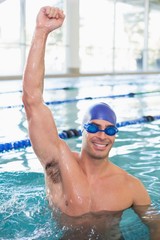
[{"x": 102, "y": 133}]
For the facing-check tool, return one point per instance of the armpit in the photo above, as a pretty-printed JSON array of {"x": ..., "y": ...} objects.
[{"x": 53, "y": 171}]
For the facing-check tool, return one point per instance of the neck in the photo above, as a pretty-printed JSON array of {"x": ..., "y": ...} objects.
[{"x": 93, "y": 167}]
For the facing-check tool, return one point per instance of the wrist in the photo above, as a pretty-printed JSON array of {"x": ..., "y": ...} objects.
[
  {"x": 40, "y": 35},
  {"x": 39, "y": 38},
  {"x": 41, "y": 32}
]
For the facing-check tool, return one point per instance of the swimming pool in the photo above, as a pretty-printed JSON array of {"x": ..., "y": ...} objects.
[{"x": 24, "y": 212}]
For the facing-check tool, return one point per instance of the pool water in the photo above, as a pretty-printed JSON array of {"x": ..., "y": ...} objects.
[{"x": 24, "y": 211}]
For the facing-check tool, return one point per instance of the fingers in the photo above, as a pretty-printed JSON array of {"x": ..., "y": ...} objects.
[{"x": 53, "y": 12}]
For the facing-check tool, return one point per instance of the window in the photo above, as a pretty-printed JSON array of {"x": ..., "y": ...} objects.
[
  {"x": 10, "y": 47},
  {"x": 109, "y": 36},
  {"x": 96, "y": 35}
]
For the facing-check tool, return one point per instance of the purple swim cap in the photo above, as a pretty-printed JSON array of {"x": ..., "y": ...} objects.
[{"x": 100, "y": 111}]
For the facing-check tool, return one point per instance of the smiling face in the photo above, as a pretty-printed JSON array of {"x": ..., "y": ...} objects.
[{"x": 97, "y": 145}]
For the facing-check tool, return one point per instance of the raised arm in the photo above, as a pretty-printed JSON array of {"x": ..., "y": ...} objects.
[
  {"x": 42, "y": 129},
  {"x": 59, "y": 162}
]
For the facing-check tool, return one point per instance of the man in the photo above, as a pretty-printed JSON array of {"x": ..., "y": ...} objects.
[{"x": 76, "y": 183}]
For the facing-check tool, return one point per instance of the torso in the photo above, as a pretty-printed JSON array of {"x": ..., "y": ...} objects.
[
  {"x": 109, "y": 193},
  {"x": 97, "y": 214},
  {"x": 99, "y": 225}
]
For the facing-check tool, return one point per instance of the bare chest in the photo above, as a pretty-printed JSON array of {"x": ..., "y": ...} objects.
[
  {"x": 110, "y": 197},
  {"x": 98, "y": 196}
]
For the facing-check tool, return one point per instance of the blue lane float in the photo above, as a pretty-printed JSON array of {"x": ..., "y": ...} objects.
[
  {"x": 66, "y": 134},
  {"x": 129, "y": 95},
  {"x": 46, "y": 89},
  {"x": 71, "y": 88}
]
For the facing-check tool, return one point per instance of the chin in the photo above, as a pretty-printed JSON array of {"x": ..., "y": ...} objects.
[{"x": 100, "y": 157}]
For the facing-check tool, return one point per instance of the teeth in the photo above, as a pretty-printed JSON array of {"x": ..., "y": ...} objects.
[{"x": 100, "y": 145}]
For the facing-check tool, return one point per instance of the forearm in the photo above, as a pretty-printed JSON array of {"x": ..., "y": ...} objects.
[
  {"x": 48, "y": 19},
  {"x": 33, "y": 79},
  {"x": 153, "y": 223},
  {"x": 151, "y": 218}
]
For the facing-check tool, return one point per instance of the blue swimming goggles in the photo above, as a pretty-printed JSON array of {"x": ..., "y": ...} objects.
[{"x": 93, "y": 128}]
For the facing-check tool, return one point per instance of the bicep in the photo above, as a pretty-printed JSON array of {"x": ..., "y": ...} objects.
[
  {"x": 43, "y": 132},
  {"x": 140, "y": 194}
]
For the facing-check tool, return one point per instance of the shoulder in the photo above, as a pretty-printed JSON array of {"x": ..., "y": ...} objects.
[
  {"x": 138, "y": 191},
  {"x": 133, "y": 181},
  {"x": 121, "y": 176},
  {"x": 130, "y": 179},
  {"x": 116, "y": 170},
  {"x": 136, "y": 188}
]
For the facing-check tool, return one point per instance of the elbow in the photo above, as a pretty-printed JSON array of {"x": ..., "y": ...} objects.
[
  {"x": 28, "y": 105},
  {"x": 27, "y": 100},
  {"x": 24, "y": 98},
  {"x": 30, "y": 99}
]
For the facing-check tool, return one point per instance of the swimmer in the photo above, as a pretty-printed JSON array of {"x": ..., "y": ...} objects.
[{"x": 76, "y": 183}]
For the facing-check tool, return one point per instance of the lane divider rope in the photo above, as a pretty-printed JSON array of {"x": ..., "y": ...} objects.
[
  {"x": 66, "y": 134},
  {"x": 47, "y": 89},
  {"x": 63, "y": 88},
  {"x": 130, "y": 95}
]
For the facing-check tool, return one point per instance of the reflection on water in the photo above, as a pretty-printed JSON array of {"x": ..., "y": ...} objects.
[
  {"x": 100, "y": 225},
  {"x": 142, "y": 223},
  {"x": 24, "y": 214}
]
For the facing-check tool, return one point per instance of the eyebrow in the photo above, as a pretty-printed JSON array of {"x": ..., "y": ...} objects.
[{"x": 99, "y": 125}]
